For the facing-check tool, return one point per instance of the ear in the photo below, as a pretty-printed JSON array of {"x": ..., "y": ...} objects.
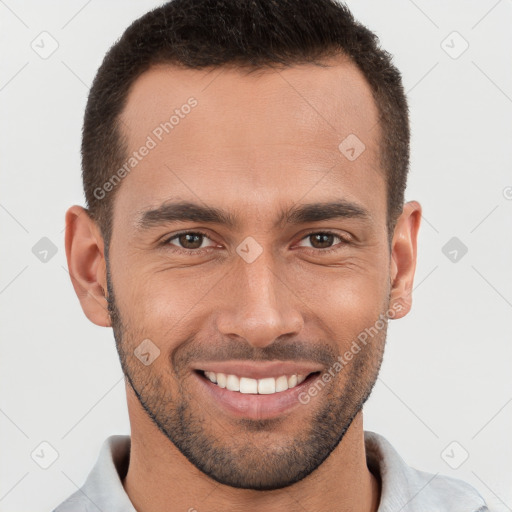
[
  {"x": 86, "y": 264},
  {"x": 403, "y": 258}
]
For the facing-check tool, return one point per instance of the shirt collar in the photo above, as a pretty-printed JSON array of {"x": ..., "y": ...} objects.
[
  {"x": 406, "y": 489},
  {"x": 103, "y": 490},
  {"x": 403, "y": 488}
]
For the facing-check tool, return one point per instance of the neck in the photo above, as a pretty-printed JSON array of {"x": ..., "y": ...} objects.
[{"x": 159, "y": 477}]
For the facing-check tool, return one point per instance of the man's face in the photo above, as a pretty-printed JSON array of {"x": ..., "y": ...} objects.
[{"x": 255, "y": 146}]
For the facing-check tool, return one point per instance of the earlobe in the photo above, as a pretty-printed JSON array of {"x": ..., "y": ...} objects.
[
  {"x": 86, "y": 264},
  {"x": 403, "y": 258}
]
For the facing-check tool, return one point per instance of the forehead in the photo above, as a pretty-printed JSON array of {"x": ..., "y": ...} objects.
[{"x": 226, "y": 136}]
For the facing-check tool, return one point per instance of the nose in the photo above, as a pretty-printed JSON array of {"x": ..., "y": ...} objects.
[{"x": 259, "y": 306}]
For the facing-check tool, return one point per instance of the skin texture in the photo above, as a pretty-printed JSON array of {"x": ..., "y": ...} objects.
[{"x": 255, "y": 145}]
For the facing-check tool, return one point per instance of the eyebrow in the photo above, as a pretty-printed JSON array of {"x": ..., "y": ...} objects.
[{"x": 185, "y": 211}]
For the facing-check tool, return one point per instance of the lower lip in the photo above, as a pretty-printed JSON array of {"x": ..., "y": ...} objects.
[{"x": 254, "y": 406}]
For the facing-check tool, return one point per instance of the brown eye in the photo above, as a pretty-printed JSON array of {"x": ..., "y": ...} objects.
[
  {"x": 190, "y": 240},
  {"x": 321, "y": 240}
]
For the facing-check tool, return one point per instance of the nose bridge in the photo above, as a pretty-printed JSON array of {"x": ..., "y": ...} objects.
[{"x": 259, "y": 307}]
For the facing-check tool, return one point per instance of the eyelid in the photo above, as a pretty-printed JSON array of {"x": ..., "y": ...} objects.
[
  {"x": 345, "y": 239},
  {"x": 168, "y": 239},
  {"x": 343, "y": 236}
]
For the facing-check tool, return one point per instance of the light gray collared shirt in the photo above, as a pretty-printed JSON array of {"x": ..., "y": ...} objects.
[{"x": 403, "y": 488}]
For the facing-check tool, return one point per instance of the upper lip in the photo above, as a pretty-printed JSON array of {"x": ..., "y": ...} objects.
[{"x": 261, "y": 370}]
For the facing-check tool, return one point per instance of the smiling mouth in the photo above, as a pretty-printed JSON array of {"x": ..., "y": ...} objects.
[{"x": 265, "y": 386}]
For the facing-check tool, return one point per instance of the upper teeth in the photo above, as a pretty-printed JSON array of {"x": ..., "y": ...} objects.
[{"x": 264, "y": 386}]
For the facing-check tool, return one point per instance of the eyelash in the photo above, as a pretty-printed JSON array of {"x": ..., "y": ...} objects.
[{"x": 197, "y": 252}]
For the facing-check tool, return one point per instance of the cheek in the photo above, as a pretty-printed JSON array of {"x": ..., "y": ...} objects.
[
  {"x": 161, "y": 306},
  {"x": 168, "y": 304},
  {"x": 347, "y": 300},
  {"x": 158, "y": 304}
]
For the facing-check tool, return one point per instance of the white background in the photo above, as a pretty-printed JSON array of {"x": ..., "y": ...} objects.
[{"x": 446, "y": 374}]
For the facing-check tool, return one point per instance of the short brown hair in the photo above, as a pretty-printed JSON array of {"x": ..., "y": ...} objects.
[{"x": 252, "y": 34}]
